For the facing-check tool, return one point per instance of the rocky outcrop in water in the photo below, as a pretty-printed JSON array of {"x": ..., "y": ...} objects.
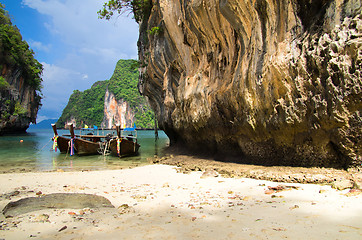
[
  {"x": 269, "y": 82},
  {"x": 19, "y": 102}
]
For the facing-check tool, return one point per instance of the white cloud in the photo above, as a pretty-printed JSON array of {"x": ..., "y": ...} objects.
[
  {"x": 58, "y": 84},
  {"x": 83, "y": 50},
  {"x": 39, "y": 46},
  {"x": 77, "y": 23}
]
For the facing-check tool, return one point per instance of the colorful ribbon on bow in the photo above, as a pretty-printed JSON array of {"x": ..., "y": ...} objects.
[
  {"x": 71, "y": 146},
  {"x": 55, "y": 143},
  {"x": 119, "y": 140}
]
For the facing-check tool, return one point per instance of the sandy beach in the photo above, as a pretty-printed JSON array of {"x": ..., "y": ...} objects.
[{"x": 158, "y": 202}]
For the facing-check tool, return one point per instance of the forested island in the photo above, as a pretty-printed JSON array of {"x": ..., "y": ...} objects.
[{"x": 93, "y": 106}]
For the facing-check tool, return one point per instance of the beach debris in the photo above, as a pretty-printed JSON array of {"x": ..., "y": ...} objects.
[
  {"x": 7, "y": 225},
  {"x": 279, "y": 229},
  {"x": 125, "y": 208},
  {"x": 39, "y": 193},
  {"x": 41, "y": 218},
  {"x": 56, "y": 201},
  {"x": 63, "y": 228},
  {"x": 139, "y": 197},
  {"x": 10, "y": 194},
  {"x": 275, "y": 196},
  {"x": 294, "y": 207},
  {"x": 279, "y": 188}
]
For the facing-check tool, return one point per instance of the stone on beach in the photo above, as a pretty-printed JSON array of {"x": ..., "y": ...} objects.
[{"x": 55, "y": 201}]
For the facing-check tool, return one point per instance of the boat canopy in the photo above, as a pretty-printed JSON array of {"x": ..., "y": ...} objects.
[{"x": 130, "y": 129}]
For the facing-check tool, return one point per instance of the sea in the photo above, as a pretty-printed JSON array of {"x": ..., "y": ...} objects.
[{"x": 32, "y": 151}]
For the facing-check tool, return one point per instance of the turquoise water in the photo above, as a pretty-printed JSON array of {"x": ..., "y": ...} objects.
[{"x": 35, "y": 153}]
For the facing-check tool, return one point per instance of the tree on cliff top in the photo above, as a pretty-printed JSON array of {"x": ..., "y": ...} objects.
[{"x": 139, "y": 8}]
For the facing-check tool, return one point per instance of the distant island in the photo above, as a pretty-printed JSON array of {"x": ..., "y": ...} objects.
[
  {"x": 110, "y": 102},
  {"x": 45, "y": 124}
]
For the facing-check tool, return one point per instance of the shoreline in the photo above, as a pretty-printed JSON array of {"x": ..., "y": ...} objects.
[
  {"x": 160, "y": 202},
  {"x": 351, "y": 178},
  {"x": 338, "y": 178}
]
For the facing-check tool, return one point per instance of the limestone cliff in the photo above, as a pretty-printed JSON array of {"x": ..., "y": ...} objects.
[
  {"x": 116, "y": 112},
  {"x": 19, "y": 102},
  {"x": 272, "y": 82},
  {"x": 20, "y": 79}
]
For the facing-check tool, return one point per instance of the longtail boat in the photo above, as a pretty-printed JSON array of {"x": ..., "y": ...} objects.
[
  {"x": 78, "y": 144},
  {"x": 124, "y": 146}
]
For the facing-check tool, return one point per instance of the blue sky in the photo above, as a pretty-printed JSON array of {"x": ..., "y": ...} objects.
[{"x": 75, "y": 47}]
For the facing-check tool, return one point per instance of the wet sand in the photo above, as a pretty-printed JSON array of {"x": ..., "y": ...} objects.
[{"x": 160, "y": 202}]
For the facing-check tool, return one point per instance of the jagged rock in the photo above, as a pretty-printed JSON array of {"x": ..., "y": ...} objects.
[
  {"x": 56, "y": 201},
  {"x": 269, "y": 82},
  {"x": 209, "y": 173},
  {"x": 342, "y": 184}
]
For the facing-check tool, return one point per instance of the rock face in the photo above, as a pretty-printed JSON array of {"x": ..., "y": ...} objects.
[
  {"x": 116, "y": 112},
  {"x": 270, "y": 82},
  {"x": 19, "y": 102}
]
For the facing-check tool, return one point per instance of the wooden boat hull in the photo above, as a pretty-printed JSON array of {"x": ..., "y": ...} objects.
[
  {"x": 85, "y": 147},
  {"x": 127, "y": 147},
  {"x": 81, "y": 146},
  {"x": 63, "y": 144}
]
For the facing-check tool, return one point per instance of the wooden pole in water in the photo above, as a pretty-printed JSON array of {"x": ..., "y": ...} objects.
[
  {"x": 71, "y": 129},
  {"x": 156, "y": 131},
  {"x": 55, "y": 129}
]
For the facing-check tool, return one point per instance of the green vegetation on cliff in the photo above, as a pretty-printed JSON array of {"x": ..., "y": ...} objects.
[
  {"x": 88, "y": 107},
  {"x": 15, "y": 52},
  {"x": 140, "y": 8},
  {"x": 20, "y": 74}
]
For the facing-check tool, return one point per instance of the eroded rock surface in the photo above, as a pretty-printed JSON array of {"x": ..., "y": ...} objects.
[
  {"x": 19, "y": 102},
  {"x": 270, "y": 82},
  {"x": 56, "y": 201}
]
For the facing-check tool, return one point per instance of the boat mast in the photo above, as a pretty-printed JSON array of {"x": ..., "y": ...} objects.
[
  {"x": 71, "y": 129},
  {"x": 118, "y": 131},
  {"x": 55, "y": 129}
]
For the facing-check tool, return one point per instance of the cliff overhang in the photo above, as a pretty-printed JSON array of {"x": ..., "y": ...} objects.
[{"x": 269, "y": 82}]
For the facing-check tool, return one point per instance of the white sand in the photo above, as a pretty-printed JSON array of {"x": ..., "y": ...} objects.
[{"x": 165, "y": 204}]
